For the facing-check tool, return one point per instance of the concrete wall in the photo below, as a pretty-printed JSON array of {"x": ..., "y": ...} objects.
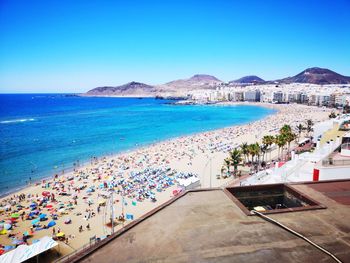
[{"x": 332, "y": 173}]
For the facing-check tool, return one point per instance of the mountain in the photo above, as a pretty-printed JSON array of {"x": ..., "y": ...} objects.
[
  {"x": 319, "y": 76},
  {"x": 248, "y": 80},
  {"x": 199, "y": 81},
  {"x": 129, "y": 89}
]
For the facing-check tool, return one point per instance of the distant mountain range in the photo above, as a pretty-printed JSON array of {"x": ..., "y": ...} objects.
[{"x": 180, "y": 87}]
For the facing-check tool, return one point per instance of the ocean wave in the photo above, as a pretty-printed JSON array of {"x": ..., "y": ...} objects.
[{"x": 17, "y": 120}]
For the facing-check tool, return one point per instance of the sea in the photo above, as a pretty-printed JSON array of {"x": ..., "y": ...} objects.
[{"x": 46, "y": 134}]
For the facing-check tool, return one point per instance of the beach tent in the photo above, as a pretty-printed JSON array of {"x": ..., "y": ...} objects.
[{"x": 24, "y": 252}]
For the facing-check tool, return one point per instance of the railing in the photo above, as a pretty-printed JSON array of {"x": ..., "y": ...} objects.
[
  {"x": 332, "y": 162},
  {"x": 345, "y": 146},
  {"x": 65, "y": 258}
]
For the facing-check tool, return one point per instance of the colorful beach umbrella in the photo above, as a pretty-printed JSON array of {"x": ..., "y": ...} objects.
[
  {"x": 61, "y": 234},
  {"x": 15, "y": 215},
  {"x": 3, "y": 232},
  {"x": 7, "y": 226}
]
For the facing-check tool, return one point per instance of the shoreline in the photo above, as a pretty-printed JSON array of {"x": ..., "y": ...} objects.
[
  {"x": 70, "y": 168},
  {"x": 193, "y": 153}
]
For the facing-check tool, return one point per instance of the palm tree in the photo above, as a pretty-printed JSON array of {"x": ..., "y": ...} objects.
[
  {"x": 300, "y": 129},
  {"x": 254, "y": 150},
  {"x": 285, "y": 129},
  {"x": 289, "y": 137},
  {"x": 235, "y": 158},
  {"x": 280, "y": 141},
  {"x": 228, "y": 164},
  {"x": 244, "y": 150},
  {"x": 257, "y": 150},
  {"x": 251, "y": 151},
  {"x": 268, "y": 140},
  {"x": 263, "y": 149},
  {"x": 222, "y": 170},
  {"x": 309, "y": 124}
]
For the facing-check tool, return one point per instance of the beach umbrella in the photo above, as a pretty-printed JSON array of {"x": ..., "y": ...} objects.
[
  {"x": 17, "y": 242},
  {"x": 60, "y": 234},
  {"x": 15, "y": 215},
  {"x": 46, "y": 193},
  {"x": 2, "y": 251},
  {"x": 31, "y": 214},
  {"x": 51, "y": 224},
  {"x": 41, "y": 216},
  {"x": 3, "y": 232},
  {"x": 49, "y": 206},
  {"x": 26, "y": 234},
  {"x": 7, "y": 226},
  {"x": 35, "y": 221},
  {"x": 7, "y": 248}
]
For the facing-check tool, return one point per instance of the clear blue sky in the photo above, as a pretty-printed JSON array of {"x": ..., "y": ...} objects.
[{"x": 73, "y": 46}]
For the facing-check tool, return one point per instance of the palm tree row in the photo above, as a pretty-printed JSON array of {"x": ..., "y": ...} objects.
[{"x": 255, "y": 153}]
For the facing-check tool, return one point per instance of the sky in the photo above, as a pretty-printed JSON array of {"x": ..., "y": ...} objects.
[{"x": 74, "y": 46}]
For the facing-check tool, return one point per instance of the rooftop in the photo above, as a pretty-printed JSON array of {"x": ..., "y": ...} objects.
[{"x": 208, "y": 226}]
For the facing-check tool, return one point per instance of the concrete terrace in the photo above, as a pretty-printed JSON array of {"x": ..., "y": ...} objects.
[{"x": 207, "y": 226}]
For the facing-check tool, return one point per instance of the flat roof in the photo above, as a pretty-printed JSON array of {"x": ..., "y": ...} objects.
[{"x": 207, "y": 226}]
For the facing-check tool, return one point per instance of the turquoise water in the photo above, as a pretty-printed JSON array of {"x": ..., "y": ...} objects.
[{"x": 42, "y": 134}]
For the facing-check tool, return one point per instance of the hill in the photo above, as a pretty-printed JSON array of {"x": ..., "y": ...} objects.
[
  {"x": 248, "y": 80},
  {"x": 129, "y": 89},
  {"x": 320, "y": 76},
  {"x": 199, "y": 81}
]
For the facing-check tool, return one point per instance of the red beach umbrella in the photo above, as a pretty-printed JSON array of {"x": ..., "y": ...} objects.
[{"x": 46, "y": 193}]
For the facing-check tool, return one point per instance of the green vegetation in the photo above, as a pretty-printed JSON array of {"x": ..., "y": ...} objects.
[{"x": 255, "y": 155}]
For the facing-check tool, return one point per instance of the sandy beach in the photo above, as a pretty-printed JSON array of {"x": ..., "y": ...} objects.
[{"x": 142, "y": 179}]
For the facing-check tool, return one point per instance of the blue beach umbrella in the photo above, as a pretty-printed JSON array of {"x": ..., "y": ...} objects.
[
  {"x": 31, "y": 214},
  {"x": 7, "y": 248},
  {"x": 51, "y": 223},
  {"x": 35, "y": 221},
  {"x": 42, "y": 216}
]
